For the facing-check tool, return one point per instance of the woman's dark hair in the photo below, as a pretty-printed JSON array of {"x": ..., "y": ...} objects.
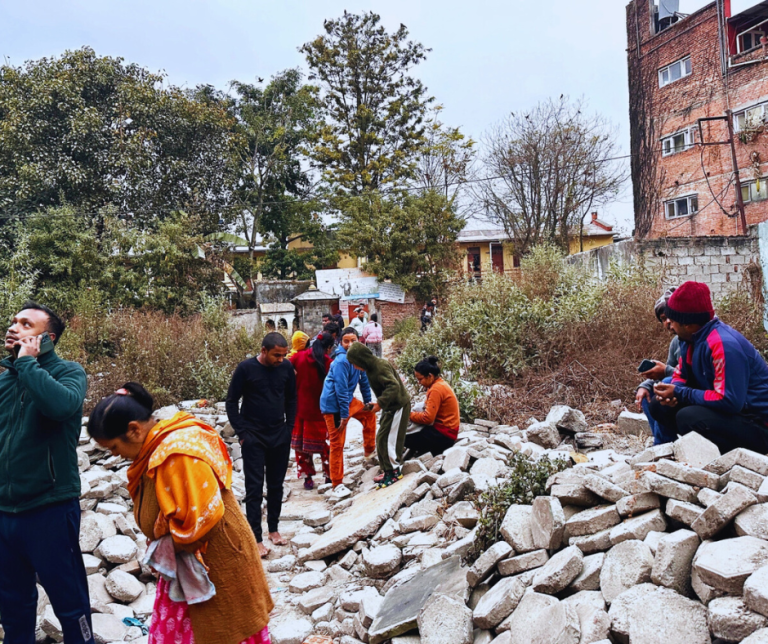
[
  {"x": 374, "y": 317},
  {"x": 331, "y": 328},
  {"x": 319, "y": 349},
  {"x": 348, "y": 330},
  {"x": 428, "y": 367},
  {"x": 111, "y": 416}
]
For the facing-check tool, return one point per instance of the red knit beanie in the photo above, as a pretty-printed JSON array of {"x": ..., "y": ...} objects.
[{"x": 691, "y": 304}]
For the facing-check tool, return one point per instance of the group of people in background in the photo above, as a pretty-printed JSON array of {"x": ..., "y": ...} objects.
[
  {"x": 212, "y": 587},
  {"x": 714, "y": 381}
]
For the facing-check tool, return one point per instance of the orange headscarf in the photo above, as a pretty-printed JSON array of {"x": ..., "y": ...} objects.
[
  {"x": 298, "y": 342},
  {"x": 182, "y": 434}
]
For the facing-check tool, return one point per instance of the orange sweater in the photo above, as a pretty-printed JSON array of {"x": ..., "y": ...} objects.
[{"x": 441, "y": 410}]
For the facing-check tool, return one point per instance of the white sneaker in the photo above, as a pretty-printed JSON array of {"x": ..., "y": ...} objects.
[{"x": 339, "y": 492}]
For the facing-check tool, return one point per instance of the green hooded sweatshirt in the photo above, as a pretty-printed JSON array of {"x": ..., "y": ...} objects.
[
  {"x": 390, "y": 392},
  {"x": 41, "y": 406}
]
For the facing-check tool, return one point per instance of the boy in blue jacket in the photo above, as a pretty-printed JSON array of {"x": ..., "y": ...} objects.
[
  {"x": 720, "y": 386},
  {"x": 338, "y": 404}
]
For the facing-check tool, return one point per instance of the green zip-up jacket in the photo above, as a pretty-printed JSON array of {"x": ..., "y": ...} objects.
[
  {"x": 390, "y": 391},
  {"x": 41, "y": 406}
]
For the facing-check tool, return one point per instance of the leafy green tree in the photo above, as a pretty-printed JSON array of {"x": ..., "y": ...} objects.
[
  {"x": 374, "y": 107},
  {"x": 92, "y": 131},
  {"x": 409, "y": 239}
]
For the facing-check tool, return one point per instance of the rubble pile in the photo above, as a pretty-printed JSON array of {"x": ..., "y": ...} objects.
[{"x": 669, "y": 543}]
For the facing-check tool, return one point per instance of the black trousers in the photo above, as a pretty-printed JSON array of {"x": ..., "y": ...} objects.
[
  {"x": 727, "y": 431},
  {"x": 427, "y": 440},
  {"x": 44, "y": 541},
  {"x": 259, "y": 459}
]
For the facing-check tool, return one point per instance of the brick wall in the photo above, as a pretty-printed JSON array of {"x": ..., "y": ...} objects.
[
  {"x": 390, "y": 313},
  {"x": 702, "y": 171},
  {"x": 720, "y": 262}
]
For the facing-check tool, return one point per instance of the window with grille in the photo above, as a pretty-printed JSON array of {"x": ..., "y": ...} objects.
[{"x": 682, "y": 207}]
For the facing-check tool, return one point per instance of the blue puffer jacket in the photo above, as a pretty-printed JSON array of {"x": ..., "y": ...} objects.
[
  {"x": 720, "y": 369},
  {"x": 340, "y": 384}
]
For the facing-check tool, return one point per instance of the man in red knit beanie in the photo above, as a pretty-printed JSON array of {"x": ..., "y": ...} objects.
[{"x": 720, "y": 386}]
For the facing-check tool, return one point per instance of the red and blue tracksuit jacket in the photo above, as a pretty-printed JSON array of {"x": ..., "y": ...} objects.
[{"x": 720, "y": 369}]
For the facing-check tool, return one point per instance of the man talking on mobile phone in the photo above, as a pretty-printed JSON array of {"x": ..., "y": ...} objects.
[{"x": 41, "y": 406}]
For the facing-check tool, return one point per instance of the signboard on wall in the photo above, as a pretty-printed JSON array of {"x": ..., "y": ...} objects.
[
  {"x": 346, "y": 282},
  {"x": 391, "y": 293}
]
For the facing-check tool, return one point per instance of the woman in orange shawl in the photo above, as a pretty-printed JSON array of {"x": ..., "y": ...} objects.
[{"x": 180, "y": 482}]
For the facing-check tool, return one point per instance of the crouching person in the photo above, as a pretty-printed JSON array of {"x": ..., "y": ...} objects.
[
  {"x": 720, "y": 386},
  {"x": 436, "y": 427},
  {"x": 180, "y": 482},
  {"x": 41, "y": 407},
  {"x": 395, "y": 404}
]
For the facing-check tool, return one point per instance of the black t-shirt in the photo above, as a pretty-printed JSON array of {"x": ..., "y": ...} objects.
[{"x": 269, "y": 401}]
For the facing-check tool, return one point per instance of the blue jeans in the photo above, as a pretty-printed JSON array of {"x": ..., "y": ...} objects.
[
  {"x": 660, "y": 433},
  {"x": 43, "y": 541}
]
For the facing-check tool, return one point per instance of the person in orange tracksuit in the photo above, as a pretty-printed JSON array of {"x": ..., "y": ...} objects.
[{"x": 338, "y": 404}]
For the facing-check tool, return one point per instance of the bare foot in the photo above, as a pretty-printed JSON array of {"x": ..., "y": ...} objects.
[
  {"x": 263, "y": 550},
  {"x": 278, "y": 539}
]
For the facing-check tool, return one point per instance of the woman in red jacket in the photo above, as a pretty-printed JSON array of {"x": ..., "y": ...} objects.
[{"x": 310, "y": 434}]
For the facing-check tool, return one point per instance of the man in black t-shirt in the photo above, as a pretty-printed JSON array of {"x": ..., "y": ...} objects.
[{"x": 267, "y": 386}]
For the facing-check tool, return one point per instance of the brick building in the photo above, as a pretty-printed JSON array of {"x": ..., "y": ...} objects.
[{"x": 683, "y": 68}]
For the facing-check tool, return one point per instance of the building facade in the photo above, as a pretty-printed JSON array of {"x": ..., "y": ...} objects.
[
  {"x": 698, "y": 96},
  {"x": 492, "y": 248}
]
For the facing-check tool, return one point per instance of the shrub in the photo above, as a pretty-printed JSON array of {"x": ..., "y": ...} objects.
[
  {"x": 174, "y": 357},
  {"x": 526, "y": 481}
]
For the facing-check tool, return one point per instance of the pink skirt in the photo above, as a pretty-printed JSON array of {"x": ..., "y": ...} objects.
[{"x": 171, "y": 623}]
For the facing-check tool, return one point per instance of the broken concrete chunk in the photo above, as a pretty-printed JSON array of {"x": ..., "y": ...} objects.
[
  {"x": 592, "y": 521},
  {"x": 670, "y": 616},
  {"x": 739, "y": 474},
  {"x": 603, "y": 488},
  {"x": 547, "y": 522},
  {"x": 574, "y": 494},
  {"x": 721, "y": 512},
  {"x": 620, "y": 607},
  {"x": 499, "y": 602},
  {"x": 544, "y": 434},
  {"x": 558, "y": 573},
  {"x": 445, "y": 620},
  {"x": 695, "y": 450},
  {"x": 382, "y": 561},
  {"x": 664, "y": 486},
  {"x": 753, "y": 521},
  {"x": 487, "y": 561},
  {"x": 731, "y": 620},
  {"x": 725, "y": 565},
  {"x": 626, "y": 565},
  {"x": 516, "y": 528},
  {"x": 592, "y": 543},
  {"x": 455, "y": 458},
  {"x": 638, "y": 503},
  {"x": 687, "y": 474},
  {"x": 521, "y": 563},
  {"x": 740, "y": 456},
  {"x": 683, "y": 512},
  {"x": 673, "y": 560},
  {"x": 567, "y": 419},
  {"x": 631, "y": 424},
  {"x": 589, "y": 577},
  {"x": 638, "y": 527},
  {"x": 756, "y": 591}
]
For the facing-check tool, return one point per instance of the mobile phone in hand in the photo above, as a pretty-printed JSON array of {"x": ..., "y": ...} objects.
[
  {"x": 368, "y": 406},
  {"x": 646, "y": 365}
]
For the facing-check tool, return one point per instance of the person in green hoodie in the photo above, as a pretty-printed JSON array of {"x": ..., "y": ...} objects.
[
  {"x": 395, "y": 404},
  {"x": 41, "y": 407}
]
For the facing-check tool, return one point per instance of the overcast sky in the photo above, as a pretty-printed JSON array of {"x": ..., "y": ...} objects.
[{"x": 489, "y": 57}]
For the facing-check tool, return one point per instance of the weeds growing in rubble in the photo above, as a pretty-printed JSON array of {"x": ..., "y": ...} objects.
[{"x": 526, "y": 480}]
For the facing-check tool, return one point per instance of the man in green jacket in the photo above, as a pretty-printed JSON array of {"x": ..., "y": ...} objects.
[
  {"x": 41, "y": 406},
  {"x": 395, "y": 404}
]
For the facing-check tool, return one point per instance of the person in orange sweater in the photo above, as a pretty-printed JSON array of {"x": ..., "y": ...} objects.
[{"x": 437, "y": 427}]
